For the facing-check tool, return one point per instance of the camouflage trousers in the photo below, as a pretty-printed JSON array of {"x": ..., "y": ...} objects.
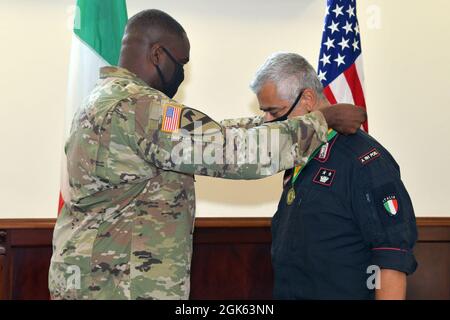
[{"x": 134, "y": 255}]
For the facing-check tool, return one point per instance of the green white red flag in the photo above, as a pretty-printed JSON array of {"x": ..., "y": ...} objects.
[{"x": 97, "y": 35}]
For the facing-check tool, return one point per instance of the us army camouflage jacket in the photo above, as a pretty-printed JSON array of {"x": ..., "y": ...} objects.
[{"x": 126, "y": 230}]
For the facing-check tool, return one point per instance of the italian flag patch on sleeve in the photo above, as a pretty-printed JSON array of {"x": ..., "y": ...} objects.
[{"x": 391, "y": 205}]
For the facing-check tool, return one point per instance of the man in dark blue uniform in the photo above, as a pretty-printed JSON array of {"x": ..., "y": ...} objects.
[{"x": 345, "y": 226}]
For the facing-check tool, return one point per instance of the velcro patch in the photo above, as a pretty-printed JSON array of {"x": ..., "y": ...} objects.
[
  {"x": 324, "y": 177},
  {"x": 171, "y": 117},
  {"x": 369, "y": 156},
  {"x": 196, "y": 121}
]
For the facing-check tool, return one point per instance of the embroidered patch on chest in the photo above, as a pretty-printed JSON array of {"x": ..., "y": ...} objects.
[
  {"x": 324, "y": 177},
  {"x": 323, "y": 151}
]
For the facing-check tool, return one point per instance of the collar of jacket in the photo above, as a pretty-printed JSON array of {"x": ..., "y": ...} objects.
[{"x": 118, "y": 72}]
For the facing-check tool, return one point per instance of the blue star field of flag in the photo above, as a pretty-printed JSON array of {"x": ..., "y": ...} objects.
[{"x": 341, "y": 42}]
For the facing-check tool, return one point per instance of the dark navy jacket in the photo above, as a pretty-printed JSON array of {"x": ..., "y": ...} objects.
[{"x": 351, "y": 215}]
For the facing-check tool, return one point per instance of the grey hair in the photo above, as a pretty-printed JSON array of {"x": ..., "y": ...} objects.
[{"x": 290, "y": 73}]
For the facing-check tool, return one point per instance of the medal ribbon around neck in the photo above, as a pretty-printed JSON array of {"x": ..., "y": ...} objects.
[{"x": 297, "y": 170}]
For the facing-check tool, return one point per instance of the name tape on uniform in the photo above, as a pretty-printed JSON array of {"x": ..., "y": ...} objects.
[{"x": 369, "y": 156}]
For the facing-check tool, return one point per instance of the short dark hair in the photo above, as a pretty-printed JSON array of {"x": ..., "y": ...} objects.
[{"x": 155, "y": 19}]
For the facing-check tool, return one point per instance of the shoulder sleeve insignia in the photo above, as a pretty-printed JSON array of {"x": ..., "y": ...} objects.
[
  {"x": 390, "y": 203},
  {"x": 194, "y": 120},
  {"x": 171, "y": 117},
  {"x": 387, "y": 198}
]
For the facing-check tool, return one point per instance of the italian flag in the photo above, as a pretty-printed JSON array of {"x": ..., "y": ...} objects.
[
  {"x": 391, "y": 206},
  {"x": 97, "y": 35}
]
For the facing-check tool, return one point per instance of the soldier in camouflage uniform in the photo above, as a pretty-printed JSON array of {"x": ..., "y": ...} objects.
[{"x": 126, "y": 230}]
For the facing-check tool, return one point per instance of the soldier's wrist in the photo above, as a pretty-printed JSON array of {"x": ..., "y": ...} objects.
[{"x": 325, "y": 117}]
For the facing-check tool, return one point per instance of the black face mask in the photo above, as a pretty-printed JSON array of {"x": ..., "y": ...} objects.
[
  {"x": 285, "y": 116},
  {"x": 170, "y": 87}
]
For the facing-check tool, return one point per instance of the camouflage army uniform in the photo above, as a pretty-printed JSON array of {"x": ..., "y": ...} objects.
[{"x": 126, "y": 231}]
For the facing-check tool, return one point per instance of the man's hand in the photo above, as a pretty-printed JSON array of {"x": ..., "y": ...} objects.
[{"x": 344, "y": 118}]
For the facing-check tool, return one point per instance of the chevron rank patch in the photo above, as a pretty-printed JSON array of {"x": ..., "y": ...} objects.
[{"x": 171, "y": 117}]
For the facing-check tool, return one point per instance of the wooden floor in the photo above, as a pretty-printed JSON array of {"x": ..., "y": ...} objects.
[{"x": 231, "y": 259}]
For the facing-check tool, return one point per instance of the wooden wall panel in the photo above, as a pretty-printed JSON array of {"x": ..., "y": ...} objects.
[
  {"x": 230, "y": 271},
  {"x": 3, "y": 265},
  {"x": 432, "y": 277},
  {"x": 2, "y": 278},
  {"x": 231, "y": 259},
  {"x": 30, "y": 273}
]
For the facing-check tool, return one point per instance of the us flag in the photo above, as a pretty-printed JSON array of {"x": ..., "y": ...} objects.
[
  {"x": 340, "y": 62},
  {"x": 171, "y": 119}
]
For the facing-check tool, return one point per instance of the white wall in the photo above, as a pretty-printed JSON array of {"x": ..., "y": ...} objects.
[{"x": 406, "y": 56}]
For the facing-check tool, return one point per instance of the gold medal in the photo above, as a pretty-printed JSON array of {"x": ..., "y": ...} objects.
[{"x": 290, "y": 196}]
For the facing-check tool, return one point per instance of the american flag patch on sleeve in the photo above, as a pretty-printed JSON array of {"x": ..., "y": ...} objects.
[{"x": 171, "y": 118}]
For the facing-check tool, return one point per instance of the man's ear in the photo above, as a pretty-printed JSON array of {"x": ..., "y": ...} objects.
[
  {"x": 154, "y": 54},
  {"x": 309, "y": 99}
]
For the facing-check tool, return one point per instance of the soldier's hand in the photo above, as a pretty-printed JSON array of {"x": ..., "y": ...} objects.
[{"x": 344, "y": 118}]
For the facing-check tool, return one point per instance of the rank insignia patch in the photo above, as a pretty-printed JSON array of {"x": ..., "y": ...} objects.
[
  {"x": 391, "y": 205},
  {"x": 369, "y": 156},
  {"x": 324, "y": 177},
  {"x": 171, "y": 118},
  {"x": 323, "y": 151}
]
